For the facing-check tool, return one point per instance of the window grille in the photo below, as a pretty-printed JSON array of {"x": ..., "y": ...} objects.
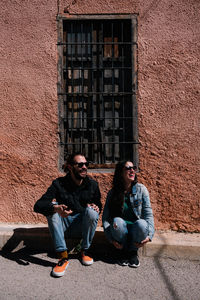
[{"x": 97, "y": 89}]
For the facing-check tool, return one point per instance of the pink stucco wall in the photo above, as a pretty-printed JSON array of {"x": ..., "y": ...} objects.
[{"x": 168, "y": 104}]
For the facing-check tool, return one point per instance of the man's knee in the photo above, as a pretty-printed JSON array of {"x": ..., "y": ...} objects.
[
  {"x": 91, "y": 214},
  {"x": 54, "y": 219}
]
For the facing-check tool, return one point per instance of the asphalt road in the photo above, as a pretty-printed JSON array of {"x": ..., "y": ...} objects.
[{"x": 26, "y": 275}]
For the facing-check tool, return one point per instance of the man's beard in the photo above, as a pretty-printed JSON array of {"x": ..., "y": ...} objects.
[{"x": 78, "y": 175}]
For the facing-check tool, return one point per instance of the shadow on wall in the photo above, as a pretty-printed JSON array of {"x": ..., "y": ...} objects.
[{"x": 34, "y": 239}]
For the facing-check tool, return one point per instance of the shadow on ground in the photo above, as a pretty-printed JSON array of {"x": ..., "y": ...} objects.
[
  {"x": 163, "y": 272},
  {"x": 25, "y": 243},
  {"x": 25, "y": 256}
]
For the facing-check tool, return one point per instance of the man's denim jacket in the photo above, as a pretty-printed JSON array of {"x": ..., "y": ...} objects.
[{"x": 141, "y": 205}]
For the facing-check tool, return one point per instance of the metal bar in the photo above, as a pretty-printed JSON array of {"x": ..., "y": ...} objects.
[
  {"x": 122, "y": 37},
  {"x": 99, "y": 88},
  {"x": 123, "y": 85},
  {"x": 101, "y": 69},
  {"x": 100, "y": 118},
  {"x": 134, "y": 86},
  {"x": 113, "y": 90},
  {"x": 82, "y": 85},
  {"x": 102, "y": 97},
  {"x": 92, "y": 86},
  {"x": 72, "y": 79},
  {"x": 97, "y": 43},
  {"x": 101, "y": 35},
  {"x": 97, "y": 93},
  {"x": 94, "y": 143}
]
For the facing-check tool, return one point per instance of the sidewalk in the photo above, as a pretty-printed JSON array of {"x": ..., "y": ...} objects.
[{"x": 165, "y": 243}]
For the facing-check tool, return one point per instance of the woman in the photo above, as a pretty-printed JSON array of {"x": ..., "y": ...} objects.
[{"x": 127, "y": 218}]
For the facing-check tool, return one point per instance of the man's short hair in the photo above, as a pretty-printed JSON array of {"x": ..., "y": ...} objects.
[{"x": 70, "y": 160}]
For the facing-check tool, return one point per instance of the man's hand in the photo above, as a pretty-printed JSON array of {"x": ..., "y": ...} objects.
[
  {"x": 94, "y": 206},
  {"x": 117, "y": 245},
  {"x": 62, "y": 210},
  {"x": 139, "y": 245}
]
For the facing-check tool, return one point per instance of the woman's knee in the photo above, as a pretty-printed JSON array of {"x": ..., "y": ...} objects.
[
  {"x": 119, "y": 230},
  {"x": 118, "y": 224},
  {"x": 141, "y": 226}
]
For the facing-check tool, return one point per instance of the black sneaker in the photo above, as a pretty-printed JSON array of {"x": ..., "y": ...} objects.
[
  {"x": 123, "y": 259},
  {"x": 133, "y": 260}
]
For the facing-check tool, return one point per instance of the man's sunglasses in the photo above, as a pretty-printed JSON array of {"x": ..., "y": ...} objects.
[
  {"x": 134, "y": 168},
  {"x": 81, "y": 164}
]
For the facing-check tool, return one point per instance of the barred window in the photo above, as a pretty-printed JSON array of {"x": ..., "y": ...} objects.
[{"x": 97, "y": 89}]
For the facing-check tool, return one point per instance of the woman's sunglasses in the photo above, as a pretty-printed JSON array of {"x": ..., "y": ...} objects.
[{"x": 134, "y": 168}]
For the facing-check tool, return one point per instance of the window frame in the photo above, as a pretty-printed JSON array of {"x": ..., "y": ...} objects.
[{"x": 60, "y": 87}]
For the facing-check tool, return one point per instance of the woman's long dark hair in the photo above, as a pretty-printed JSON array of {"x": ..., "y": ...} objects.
[{"x": 117, "y": 197}]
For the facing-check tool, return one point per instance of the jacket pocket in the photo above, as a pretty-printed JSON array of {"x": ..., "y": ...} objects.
[{"x": 137, "y": 202}]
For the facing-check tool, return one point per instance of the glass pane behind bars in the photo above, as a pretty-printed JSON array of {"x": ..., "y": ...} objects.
[{"x": 98, "y": 94}]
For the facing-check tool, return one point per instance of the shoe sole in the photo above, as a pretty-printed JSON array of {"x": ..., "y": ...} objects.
[
  {"x": 60, "y": 274},
  {"x": 87, "y": 263},
  {"x": 134, "y": 266},
  {"x": 123, "y": 265}
]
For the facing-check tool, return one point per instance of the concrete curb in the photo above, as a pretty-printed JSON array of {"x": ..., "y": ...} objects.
[{"x": 36, "y": 236}]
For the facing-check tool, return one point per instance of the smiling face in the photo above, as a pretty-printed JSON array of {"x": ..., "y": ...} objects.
[
  {"x": 129, "y": 171},
  {"x": 79, "y": 168}
]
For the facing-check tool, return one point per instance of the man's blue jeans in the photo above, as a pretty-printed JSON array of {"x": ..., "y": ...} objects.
[
  {"x": 81, "y": 225},
  {"x": 129, "y": 234}
]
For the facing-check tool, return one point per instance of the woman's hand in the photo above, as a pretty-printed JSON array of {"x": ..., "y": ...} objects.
[
  {"x": 117, "y": 245},
  {"x": 62, "y": 210},
  {"x": 139, "y": 245}
]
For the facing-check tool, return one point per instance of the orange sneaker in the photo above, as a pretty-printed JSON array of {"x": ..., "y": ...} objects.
[
  {"x": 86, "y": 260},
  {"x": 59, "y": 269}
]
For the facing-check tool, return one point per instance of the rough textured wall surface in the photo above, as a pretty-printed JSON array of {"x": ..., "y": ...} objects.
[
  {"x": 168, "y": 111},
  {"x": 28, "y": 96},
  {"x": 168, "y": 104}
]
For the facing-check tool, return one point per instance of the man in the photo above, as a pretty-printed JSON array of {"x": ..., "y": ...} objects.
[{"x": 72, "y": 206}]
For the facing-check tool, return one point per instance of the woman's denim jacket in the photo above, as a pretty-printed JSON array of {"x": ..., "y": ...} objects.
[{"x": 141, "y": 205}]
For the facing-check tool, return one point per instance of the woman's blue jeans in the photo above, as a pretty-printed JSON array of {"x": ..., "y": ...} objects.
[
  {"x": 81, "y": 225},
  {"x": 129, "y": 234}
]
